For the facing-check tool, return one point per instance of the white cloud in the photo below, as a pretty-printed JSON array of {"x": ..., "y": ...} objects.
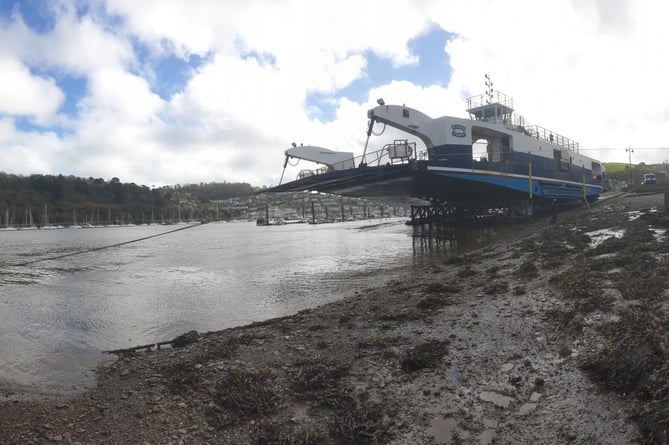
[
  {"x": 24, "y": 152},
  {"x": 24, "y": 94},
  {"x": 592, "y": 70}
]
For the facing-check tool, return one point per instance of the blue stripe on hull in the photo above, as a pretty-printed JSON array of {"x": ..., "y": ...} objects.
[{"x": 478, "y": 186}]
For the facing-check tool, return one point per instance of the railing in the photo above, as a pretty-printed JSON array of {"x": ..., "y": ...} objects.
[
  {"x": 390, "y": 154},
  {"x": 487, "y": 99},
  {"x": 550, "y": 136}
]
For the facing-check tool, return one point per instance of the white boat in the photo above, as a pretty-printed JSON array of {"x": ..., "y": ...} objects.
[{"x": 492, "y": 156}]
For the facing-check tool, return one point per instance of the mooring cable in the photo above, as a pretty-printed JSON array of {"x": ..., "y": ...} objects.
[{"x": 94, "y": 249}]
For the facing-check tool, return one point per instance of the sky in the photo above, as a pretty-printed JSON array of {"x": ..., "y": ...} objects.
[{"x": 165, "y": 92}]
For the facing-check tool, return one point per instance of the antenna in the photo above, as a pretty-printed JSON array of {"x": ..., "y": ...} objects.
[{"x": 489, "y": 90}]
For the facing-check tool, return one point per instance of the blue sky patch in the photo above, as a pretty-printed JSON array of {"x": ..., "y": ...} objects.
[
  {"x": 433, "y": 68},
  {"x": 35, "y": 13},
  {"x": 38, "y": 14},
  {"x": 75, "y": 89},
  {"x": 172, "y": 73}
]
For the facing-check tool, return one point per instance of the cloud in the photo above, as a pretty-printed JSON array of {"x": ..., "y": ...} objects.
[
  {"x": 24, "y": 152},
  {"x": 24, "y": 94},
  {"x": 255, "y": 76}
]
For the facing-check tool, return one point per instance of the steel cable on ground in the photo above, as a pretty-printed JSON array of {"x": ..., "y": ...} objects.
[{"x": 94, "y": 249}]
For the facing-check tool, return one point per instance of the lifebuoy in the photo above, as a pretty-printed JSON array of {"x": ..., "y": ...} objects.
[{"x": 410, "y": 151}]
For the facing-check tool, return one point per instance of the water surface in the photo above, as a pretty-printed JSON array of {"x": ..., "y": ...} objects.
[{"x": 62, "y": 303}]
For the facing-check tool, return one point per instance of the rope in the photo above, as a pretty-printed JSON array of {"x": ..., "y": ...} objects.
[{"x": 95, "y": 249}]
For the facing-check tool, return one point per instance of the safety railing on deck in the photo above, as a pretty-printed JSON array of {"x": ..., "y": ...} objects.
[
  {"x": 550, "y": 136},
  {"x": 399, "y": 152}
]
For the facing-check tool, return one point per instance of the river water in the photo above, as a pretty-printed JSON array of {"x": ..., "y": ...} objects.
[{"x": 62, "y": 302}]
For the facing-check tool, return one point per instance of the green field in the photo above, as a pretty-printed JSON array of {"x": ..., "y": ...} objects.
[{"x": 613, "y": 167}]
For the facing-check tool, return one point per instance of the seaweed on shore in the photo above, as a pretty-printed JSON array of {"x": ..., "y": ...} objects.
[
  {"x": 424, "y": 355},
  {"x": 433, "y": 302},
  {"x": 653, "y": 414},
  {"x": 181, "y": 377},
  {"x": 632, "y": 352},
  {"x": 527, "y": 270},
  {"x": 644, "y": 278},
  {"x": 244, "y": 394},
  {"x": 320, "y": 381},
  {"x": 380, "y": 342},
  {"x": 360, "y": 425},
  {"x": 274, "y": 433},
  {"x": 582, "y": 285}
]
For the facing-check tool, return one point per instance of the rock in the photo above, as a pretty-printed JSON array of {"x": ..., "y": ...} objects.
[
  {"x": 526, "y": 409},
  {"x": 487, "y": 437},
  {"x": 497, "y": 399},
  {"x": 442, "y": 429}
]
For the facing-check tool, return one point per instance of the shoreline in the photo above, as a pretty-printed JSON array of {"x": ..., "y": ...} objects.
[{"x": 498, "y": 345}]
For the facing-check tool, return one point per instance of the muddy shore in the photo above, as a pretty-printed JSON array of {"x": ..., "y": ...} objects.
[{"x": 558, "y": 335}]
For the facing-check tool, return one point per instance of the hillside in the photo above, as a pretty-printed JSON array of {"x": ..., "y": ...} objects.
[{"x": 42, "y": 199}]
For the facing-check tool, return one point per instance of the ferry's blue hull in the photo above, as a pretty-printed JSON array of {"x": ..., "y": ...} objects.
[{"x": 457, "y": 182}]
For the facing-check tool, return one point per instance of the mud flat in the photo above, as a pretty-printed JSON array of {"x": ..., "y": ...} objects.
[{"x": 556, "y": 336}]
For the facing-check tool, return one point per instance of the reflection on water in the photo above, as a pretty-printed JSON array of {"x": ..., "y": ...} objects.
[
  {"x": 57, "y": 315},
  {"x": 451, "y": 240}
]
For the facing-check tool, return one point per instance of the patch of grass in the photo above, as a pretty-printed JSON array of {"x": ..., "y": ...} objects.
[{"x": 424, "y": 355}]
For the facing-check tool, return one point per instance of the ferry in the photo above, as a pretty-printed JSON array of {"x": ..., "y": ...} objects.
[{"x": 491, "y": 156}]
